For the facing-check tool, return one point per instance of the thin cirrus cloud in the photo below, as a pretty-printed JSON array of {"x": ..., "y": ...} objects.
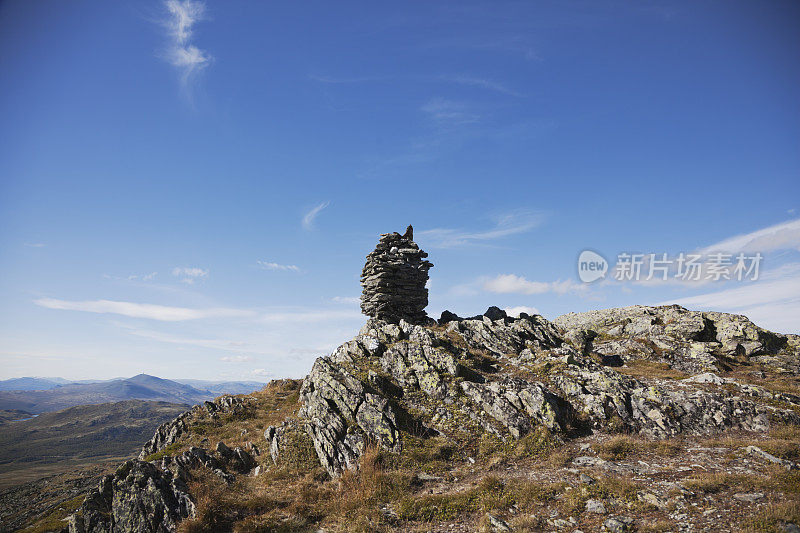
[
  {"x": 783, "y": 236},
  {"x": 236, "y": 359},
  {"x": 269, "y": 265},
  {"x": 165, "y": 313},
  {"x": 445, "y": 112},
  {"x": 311, "y": 316},
  {"x": 182, "y": 15},
  {"x": 189, "y": 274},
  {"x": 508, "y": 224},
  {"x": 778, "y": 237},
  {"x": 310, "y": 217},
  {"x": 138, "y": 310},
  {"x": 482, "y": 83},
  {"x": 346, "y": 299},
  {"x": 214, "y": 344}
]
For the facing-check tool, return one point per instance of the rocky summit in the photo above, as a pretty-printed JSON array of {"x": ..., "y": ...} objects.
[
  {"x": 637, "y": 418},
  {"x": 394, "y": 279}
]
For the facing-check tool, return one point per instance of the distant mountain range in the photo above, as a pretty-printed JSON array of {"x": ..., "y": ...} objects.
[
  {"x": 224, "y": 387},
  {"x": 40, "y": 395},
  {"x": 31, "y": 383}
]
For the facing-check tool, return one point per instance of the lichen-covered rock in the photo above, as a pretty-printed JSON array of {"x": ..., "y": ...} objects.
[
  {"x": 394, "y": 279},
  {"x": 506, "y": 376},
  {"x": 152, "y": 497},
  {"x": 690, "y": 341},
  {"x": 518, "y": 404},
  {"x": 138, "y": 498},
  {"x": 341, "y": 412},
  {"x": 171, "y": 432}
]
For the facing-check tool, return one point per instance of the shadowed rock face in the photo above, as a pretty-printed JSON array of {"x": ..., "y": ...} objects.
[
  {"x": 394, "y": 279},
  {"x": 152, "y": 496}
]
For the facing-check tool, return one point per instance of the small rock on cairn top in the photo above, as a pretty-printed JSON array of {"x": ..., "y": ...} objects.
[{"x": 394, "y": 279}]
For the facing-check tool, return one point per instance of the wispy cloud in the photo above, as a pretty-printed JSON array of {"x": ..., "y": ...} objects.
[
  {"x": 311, "y": 215},
  {"x": 783, "y": 236},
  {"x": 341, "y": 80},
  {"x": 268, "y": 265},
  {"x": 35, "y": 244},
  {"x": 214, "y": 344},
  {"x": 446, "y": 112},
  {"x": 133, "y": 277},
  {"x": 138, "y": 310},
  {"x": 310, "y": 316},
  {"x": 182, "y": 15},
  {"x": 779, "y": 238},
  {"x": 189, "y": 274},
  {"x": 236, "y": 359},
  {"x": 482, "y": 83},
  {"x": 512, "y": 223},
  {"x": 513, "y": 284},
  {"x": 346, "y": 299}
]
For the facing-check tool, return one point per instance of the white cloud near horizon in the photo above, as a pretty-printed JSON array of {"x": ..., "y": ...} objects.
[
  {"x": 268, "y": 265},
  {"x": 311, "y": 215},
  {"x": 189, "y": 274},
  {"x": 516, "y": 310},
  {"x": 513, "y": 284},
  {"x": 181, "y": 53},
  {"x": 512, "y": 223},
  {"x": 35, "y": 244},
  {"x": 137, "y": 310}
]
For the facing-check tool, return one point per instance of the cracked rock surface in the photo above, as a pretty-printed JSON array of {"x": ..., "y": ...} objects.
[
  {"x": 144, "y": 496},
  {"x": 507, "y": 376}
]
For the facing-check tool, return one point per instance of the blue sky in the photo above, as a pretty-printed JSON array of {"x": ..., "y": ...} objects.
[{"x": 188, "y": 189}]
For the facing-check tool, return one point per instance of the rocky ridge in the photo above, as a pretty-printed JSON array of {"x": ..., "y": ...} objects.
[
  {"x": 464, "y": 380},
  {"x": 506, "y": 376}
]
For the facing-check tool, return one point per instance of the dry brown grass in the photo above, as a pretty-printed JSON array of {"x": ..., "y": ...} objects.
[
  {"x": 622, "y": 446},
  {"x": 273, "y": 404},
  {"x": 782, "y": 441},
  {"x": 644, "y": 368},
  {"x": 772, "y": 517},
  {"x": 776, "y": 478},
  {"x": 764, "y": 376}
]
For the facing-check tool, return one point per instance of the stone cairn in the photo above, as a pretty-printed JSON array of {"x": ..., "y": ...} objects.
[{"x": 394, "y": 279}]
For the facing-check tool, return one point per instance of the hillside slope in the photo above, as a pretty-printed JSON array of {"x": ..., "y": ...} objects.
[
  {"x": 651, "y": 418},
  {"x": 79, "y": 435}
]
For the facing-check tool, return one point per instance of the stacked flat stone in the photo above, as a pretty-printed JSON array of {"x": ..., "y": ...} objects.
[{"x": 394, "y": 279}]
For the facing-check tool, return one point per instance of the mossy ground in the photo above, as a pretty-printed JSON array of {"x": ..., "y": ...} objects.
[{"x": 55, "y": 520}]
